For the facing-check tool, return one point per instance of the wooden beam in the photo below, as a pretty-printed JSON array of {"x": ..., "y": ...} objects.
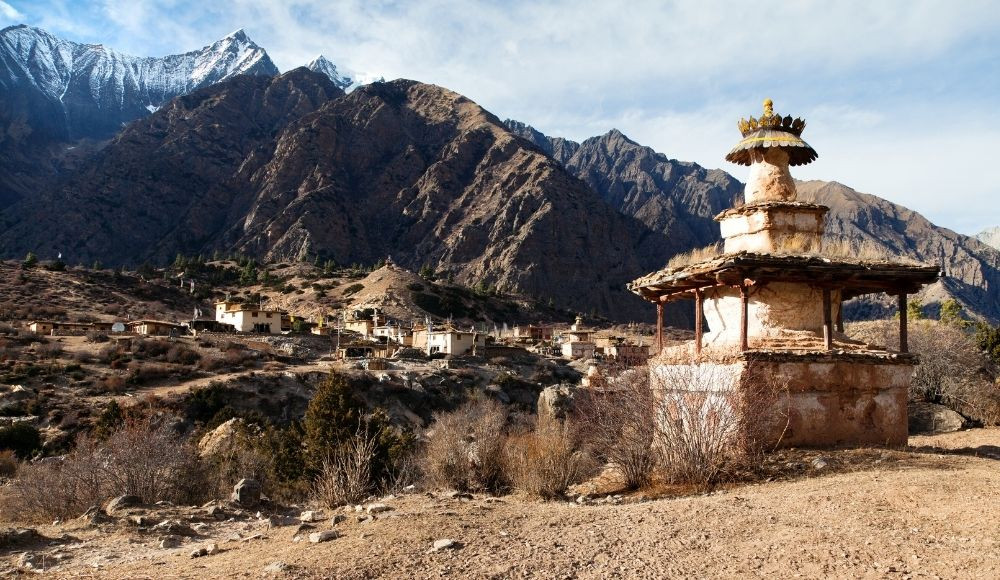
[
  {"x": 698, "y": 307},
  {"x": 744, "y": 303},
  {"x": 827, "y": 322},
  {"x": 903, "y": 342},
  {"x": 659, "y": 327}
]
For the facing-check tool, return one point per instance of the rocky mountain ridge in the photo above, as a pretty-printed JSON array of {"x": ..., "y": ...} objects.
[
  {"x": 990, "y": 237},
  {"x": 289, "y": 167}
]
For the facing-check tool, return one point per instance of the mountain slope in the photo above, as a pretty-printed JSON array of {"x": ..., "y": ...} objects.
[
  {"x": 675, "y": 198},
  {"x": 403, "y": 169}
]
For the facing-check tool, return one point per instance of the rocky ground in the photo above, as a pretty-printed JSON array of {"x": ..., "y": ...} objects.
[{"x": 923, "y": 512}]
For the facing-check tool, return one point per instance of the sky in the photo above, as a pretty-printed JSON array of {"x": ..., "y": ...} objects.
[{"x": 901, "y": 98}]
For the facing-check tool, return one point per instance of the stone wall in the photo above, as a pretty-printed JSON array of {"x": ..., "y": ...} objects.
[{"x": 823, "y": 401}]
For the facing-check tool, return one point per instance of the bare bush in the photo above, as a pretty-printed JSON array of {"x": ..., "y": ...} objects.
[
  {"x": 8, "y": 463},
  {"x": 710, "y": 421},
  {"x": 466, "y": 448},
  {"x": 546, "y": 461},
  {"x": 619, "y": 420},
  {"x": 346, "y": 476},
  {"x": 142, "y": 459}
]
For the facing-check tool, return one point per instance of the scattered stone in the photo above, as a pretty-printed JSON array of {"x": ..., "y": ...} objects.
[
  {"x": 445, "y": 544},
  {"x": 276, "y": 568},
  {"x": 217, "y": 512},
  {"x": 199, "y": 552},
  {"x": 174, "y": 528},
  {"x": 257, "y": 536},
  {"x": 324, "y": 536},
  {"x": 337, "y": 519},
  {"x": 378, "y": 508},
  {"x": 366, "y": 519},
  {"x": 247, "y": 493},
  {"x": 311, "y": 516},
  {"x": 359, "y": 508},
  {"x": 140, "y": 521},
  {"x": 212, "y": 549},
  {"x": 121, "y": 502},
  {"x": 170, "y": 542},
  {"x": 582, "y": 499},
  {"x": 279, "y": 521},
  {"x": 30, "y": 561},
  {"x": 458, "y": 495},
  {"x": 410, "y": 489},
  {"x": 819, "y": 463}
]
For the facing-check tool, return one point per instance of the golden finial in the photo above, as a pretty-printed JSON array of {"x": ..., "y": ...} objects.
[{"x": 768, "y": 107}]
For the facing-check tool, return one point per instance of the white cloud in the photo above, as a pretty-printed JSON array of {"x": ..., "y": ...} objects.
[
  {"x": 8, "y": 12},
  {"x": 899, "y": 95}
]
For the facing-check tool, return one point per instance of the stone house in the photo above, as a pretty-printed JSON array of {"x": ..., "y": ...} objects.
[{"x": 156, "y": 328}]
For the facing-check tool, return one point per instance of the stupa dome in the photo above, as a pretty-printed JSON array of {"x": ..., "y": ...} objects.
[{"x": 772, "y": 130}]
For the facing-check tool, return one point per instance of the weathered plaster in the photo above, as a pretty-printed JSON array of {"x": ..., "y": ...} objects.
[{"x": 769, "y": 178}]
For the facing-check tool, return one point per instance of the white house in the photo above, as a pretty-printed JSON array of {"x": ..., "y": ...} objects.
[
  {"x": 248, "y": 318},
  {"x": 451, "y": 341}
]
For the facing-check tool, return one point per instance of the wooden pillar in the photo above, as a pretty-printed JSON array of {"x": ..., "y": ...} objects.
[
  {"x": 903, "y": 343},
  {"x": 827, "y": 321},
  {"x": 659, "y": 326},
  {"x": 840, "y": 316},
  {"x": 698, "y": 308},
  {"x": 744, "y": 303}
]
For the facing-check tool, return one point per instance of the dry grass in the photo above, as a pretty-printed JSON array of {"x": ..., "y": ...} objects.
[
  {"x": 8, "y": 463},
  {"x": 695, "y": 256}
]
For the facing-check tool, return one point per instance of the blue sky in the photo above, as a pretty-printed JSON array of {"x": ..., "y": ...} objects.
[{"x": 902, "y": 98}]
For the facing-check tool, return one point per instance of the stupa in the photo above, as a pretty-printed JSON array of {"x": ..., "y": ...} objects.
[{"x": 773, "y": 301}]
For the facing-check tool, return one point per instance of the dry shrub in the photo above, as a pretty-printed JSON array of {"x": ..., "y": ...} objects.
[
  {"x": 139, "y": 372},
  {"x": 114, "y": 384},
  {"x": 707, "y": 425},
  {"x": 546, "y": 461},
  {"x": 50, "y": 350},
  {"x": 346, "y": 476},
  {"x": 466, "y": 448},
  {"x": 619, "y": 421},
  {"x": 953, "y": 370},
  {"x": 143, "y": 459},
  {"x": 8, "y": 463}
]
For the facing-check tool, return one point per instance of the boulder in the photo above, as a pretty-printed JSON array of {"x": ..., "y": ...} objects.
[
  {"x": 929, "y": 418},
  {"x": 170, "y": 542},
  {"x": 222, "y": 439},
  {"x": 557, "y": 402},
  {"x": 247, "y": 492},
  {"x": 122, "y": 502}
]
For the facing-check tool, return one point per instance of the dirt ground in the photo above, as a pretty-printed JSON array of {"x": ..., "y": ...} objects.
[{"x": 927, "y": 512}]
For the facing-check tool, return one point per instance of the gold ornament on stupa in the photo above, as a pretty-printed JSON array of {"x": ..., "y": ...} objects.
[{"x": 772, "y": 130}]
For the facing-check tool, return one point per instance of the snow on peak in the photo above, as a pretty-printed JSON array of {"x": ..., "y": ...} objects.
[
  {"x": 321, "y": 64},
  {"x": 56, "y": 67}
]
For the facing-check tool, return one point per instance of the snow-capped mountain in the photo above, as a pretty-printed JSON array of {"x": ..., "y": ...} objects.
[
  {"x": 990, "y": 237},
  {"x": 73, "y": 90},
  {"x": 320, "y": 64}
]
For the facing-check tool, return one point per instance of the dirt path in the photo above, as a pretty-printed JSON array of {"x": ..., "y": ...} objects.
[
  {"x": 924, "y": 515},
  {"x": 185, "y": 386}
]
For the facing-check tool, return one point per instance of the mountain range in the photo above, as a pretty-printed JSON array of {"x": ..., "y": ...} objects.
[{"x": 290, "y": 166}]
